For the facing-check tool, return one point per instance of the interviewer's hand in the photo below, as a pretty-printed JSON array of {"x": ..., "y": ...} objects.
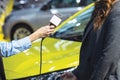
[
  {"x": 68, "y": 76},
  {"x": 42, "y": 32}
]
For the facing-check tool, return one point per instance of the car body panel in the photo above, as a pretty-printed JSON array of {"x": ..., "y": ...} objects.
[
  {"x": 58, "y": 51},
  {"x": 27, "y": 63}
]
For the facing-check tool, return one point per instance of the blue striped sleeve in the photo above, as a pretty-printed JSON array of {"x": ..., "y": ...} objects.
[{"x": 15, "y": 46}]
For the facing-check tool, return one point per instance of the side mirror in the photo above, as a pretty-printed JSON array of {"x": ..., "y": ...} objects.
[{"x": 45, "y": 7}]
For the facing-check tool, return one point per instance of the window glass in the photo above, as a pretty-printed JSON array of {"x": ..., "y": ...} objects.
[
  {"x": 23, "y": 4},
  {"x": 65, "y": 3},
  {"x": 73, "y": 29},
  {"x": 90, "y": 1}
]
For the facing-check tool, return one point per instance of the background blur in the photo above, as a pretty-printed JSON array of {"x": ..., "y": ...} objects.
[
  {"x": 19, "y": 18},
  {"x": 5, "y": 10}
]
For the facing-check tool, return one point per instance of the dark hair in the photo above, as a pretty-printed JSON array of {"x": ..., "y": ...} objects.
[{"x": 100, "y": 12}]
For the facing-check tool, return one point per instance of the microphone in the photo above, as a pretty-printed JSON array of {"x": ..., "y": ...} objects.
[{"x": 55, "y": 20}]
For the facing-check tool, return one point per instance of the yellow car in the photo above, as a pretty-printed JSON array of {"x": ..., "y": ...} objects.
[{"x": 59, "y": 52}]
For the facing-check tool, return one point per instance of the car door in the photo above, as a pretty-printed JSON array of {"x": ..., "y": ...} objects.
[{"x": 61, "y": 50}]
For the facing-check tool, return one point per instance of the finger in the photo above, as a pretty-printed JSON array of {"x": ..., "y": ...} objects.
[
  {"x": 51, "y": 31},
  {"x": 52, "y": 27}
]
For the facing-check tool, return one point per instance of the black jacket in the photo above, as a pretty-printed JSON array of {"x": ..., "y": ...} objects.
[{"x": 100, "y": 51}]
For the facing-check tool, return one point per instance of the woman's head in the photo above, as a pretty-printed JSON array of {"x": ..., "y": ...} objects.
[{"x": 102, "y": 8}]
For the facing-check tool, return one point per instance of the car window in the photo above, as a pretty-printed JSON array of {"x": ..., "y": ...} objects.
[
  {"x": 73, "y": 29},
  {"x": 90, "y": 1},
  {"x": 69, "y": 3},
  {"x": 65, "y": 3},
  {"x": 23, "y": 4}
]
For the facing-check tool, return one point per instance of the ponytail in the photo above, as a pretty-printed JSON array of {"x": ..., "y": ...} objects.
[{"x": 100, "y": 12}]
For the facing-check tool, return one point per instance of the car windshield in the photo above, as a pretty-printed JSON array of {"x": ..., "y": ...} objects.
[{"x": 73, "y": 29}]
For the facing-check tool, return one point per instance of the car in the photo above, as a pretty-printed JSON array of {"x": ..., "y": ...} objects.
[
  {"x": 21, "y": 23},
  {"x": 56, "y": 54},
  {"x": 22, "y": 4},
  {"x": 2, "y": 7}
]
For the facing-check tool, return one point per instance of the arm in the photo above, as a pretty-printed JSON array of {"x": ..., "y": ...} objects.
[{"x": 16, "y": 46}]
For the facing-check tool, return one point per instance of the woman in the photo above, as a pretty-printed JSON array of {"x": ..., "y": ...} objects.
[
  {"x": 16, "y": 46},
  {"x": 100, "y": 51}
]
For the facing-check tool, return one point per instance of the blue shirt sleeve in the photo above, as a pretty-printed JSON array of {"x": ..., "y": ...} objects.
[{"x": 15, "y": 46}]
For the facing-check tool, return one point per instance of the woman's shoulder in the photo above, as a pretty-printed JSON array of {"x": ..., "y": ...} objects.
[
  {"x": 115, "y": 11},
  {"x": 116, "y": 7}
]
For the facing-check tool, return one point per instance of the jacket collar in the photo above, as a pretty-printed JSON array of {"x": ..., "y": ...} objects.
[{"x": 88, "y": 29}]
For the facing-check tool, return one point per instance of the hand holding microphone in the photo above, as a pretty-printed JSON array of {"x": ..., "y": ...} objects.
[{"x": 46, "y": 30}]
